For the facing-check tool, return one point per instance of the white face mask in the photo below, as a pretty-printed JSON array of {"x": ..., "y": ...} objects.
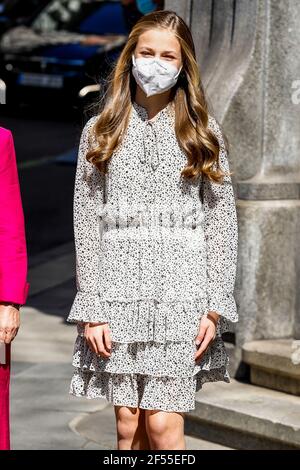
[{"x": 154, "y": 75}]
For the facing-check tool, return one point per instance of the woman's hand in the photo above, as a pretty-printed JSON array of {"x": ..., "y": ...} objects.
[
  {"x": 206, "y": 334},
  {"x": 99, "y": 338},
  {"x": 9, "y": 322}
]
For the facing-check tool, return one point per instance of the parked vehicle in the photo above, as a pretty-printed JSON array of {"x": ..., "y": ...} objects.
[{"x": 60, "y": 57}]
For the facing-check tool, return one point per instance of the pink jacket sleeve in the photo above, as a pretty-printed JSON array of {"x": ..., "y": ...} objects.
[{"x": 13, "y": 253}]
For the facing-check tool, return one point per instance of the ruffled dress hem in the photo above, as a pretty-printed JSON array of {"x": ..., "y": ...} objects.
[{"x": 142, "y": 391}]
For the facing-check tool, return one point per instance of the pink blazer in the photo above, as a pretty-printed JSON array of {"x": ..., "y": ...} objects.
[{"x": 13, "y": 253}]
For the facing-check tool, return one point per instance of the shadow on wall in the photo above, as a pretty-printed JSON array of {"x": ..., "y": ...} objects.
[{"x": 224, "y": 34}]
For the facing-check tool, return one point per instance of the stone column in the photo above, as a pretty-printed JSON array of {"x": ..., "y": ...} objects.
[{"x": 257, "y": 100}]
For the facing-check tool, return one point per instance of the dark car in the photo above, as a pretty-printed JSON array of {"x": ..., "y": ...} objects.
[{"x": 60, "y": 57}]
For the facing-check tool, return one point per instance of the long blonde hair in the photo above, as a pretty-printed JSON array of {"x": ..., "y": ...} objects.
[{"x": 198, "y": 142}]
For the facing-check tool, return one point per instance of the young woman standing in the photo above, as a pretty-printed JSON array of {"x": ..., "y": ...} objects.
[{"x": 156, "y": 240}]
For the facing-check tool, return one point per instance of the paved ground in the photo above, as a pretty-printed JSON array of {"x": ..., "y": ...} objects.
[
  {"x": 46, "y": 183},
  {"x": 43, "y": 414}
]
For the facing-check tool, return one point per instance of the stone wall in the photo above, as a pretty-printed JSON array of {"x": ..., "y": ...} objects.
[{"x": 249, "y": 57}]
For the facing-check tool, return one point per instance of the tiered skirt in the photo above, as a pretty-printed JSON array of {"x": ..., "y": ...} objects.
[{"x": 152, "y": 294}]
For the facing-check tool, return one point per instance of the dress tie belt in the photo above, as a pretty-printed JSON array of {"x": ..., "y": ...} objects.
[{"x": 150, "y": 146}]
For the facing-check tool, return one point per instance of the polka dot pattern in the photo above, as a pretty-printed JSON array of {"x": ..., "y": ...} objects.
[{"x": 154, "y": 253}]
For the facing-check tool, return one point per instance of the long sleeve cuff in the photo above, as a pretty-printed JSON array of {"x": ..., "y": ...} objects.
[
  {"x": 223, "y": 303},
  {"x": 86, "y": 308}
]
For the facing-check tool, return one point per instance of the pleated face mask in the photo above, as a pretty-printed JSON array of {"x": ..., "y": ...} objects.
[{"x": 154, "y": 75}]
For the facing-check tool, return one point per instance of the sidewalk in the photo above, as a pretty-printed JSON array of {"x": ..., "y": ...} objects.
[{"x": 43, "y": 414}]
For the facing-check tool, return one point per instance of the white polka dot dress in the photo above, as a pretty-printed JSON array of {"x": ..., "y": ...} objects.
[{"x": 154, "y": 253}]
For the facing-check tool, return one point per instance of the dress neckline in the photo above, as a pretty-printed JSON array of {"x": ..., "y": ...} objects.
[{"x": 142, "y": 111}]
